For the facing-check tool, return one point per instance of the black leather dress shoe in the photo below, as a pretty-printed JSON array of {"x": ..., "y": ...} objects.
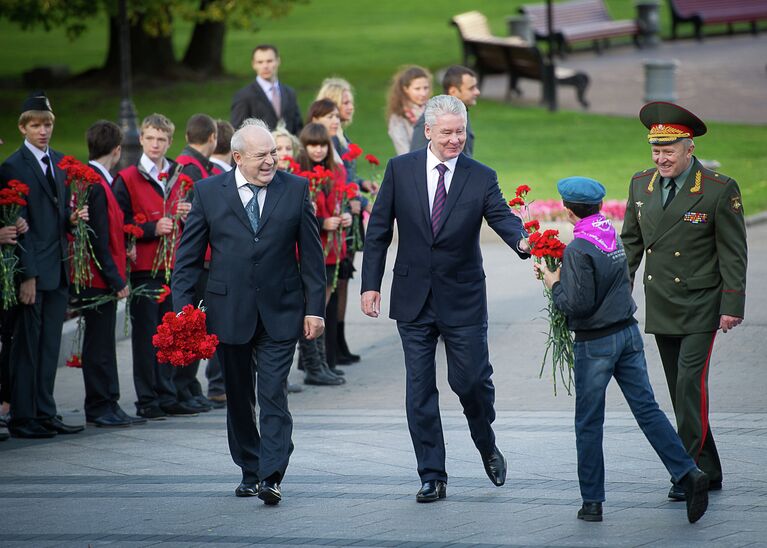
[
  {"x": 247, "y": 489},
  {"x": 152, "y": 413},
  {"x": 269, "y": 492},
  {"x": 696, "y": 490},
  {"x": 677, "y": 491},
  {"x": 431, "y": 491},
  {"x": 179, "y": 409},
  {"x": 30, "y": 430},
  {"x": 590, "y": 511},
  {"x": 294, "y": 388},
  {"x": 495, "y": 467},
  {"x": 55, "y": 424},
  {"x": 109, "y": 420},
  {"x": 133, "y": 420}
]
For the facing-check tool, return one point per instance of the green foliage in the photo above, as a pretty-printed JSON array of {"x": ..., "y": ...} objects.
[{"x": 365, "y": 42}]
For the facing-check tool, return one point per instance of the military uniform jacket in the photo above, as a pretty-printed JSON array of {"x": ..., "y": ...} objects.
[{"x": 696, "y": 252}]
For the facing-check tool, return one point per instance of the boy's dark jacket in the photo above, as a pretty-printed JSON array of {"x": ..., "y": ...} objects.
[{"x": 594, "y": 291}]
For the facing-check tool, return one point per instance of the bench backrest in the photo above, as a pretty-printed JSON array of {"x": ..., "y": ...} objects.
[
  {"x": 493, "y": 55},
  {"x": 573, "y": 12},
  {"x": 687, "y": 8},
  {"x": 489, "y": 55},
  {"x": 526, "y": 61},
  {"x": 472, "y": 25}
]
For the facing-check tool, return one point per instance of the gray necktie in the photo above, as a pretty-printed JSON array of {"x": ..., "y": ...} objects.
[{"x": 254, "y": 212}]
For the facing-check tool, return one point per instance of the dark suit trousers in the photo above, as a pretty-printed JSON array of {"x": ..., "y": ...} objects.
[
  {"x": 102, "y": 385},
  {"x": 153, "y": 381},
  {"x": 7, "y": 326},
  {"x": 468, "y": 373},
  {"x": 35, "y": 355},
  {"x": 259, "y": 456},
  {"x": 685, "y": 362}
]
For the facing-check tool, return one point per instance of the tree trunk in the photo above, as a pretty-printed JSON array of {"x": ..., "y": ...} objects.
[
  {"x": 205, "y": 51},
  {"x": 151, "y": 56}
]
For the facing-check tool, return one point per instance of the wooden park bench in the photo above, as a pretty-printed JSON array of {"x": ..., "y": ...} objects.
[
  {"x": 494, "y": 56},
  {"x": 712, "y": 12},
  {"x": 473, "y": 25},
  {"x": 578, "y": 21}
]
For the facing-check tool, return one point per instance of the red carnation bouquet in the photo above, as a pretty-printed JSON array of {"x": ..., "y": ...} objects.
[
  {"x": 12, "y": 199},
  {"x": 80, "y": 178},
  {"x": 546, "y": 246},
  {"x": 318, "y": 177},
  {"x": 166, "y": 249},
  {"x": 183, "y": 338}
]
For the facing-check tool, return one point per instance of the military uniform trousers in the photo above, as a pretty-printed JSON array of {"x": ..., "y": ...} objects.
[{"x": 686, "y": 362}]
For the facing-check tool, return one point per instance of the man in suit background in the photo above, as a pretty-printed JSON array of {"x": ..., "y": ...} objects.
[
  {"x": 439, "y": 197},
  {"x": 266, "y": 98},
  {"x": 689, "y": 223},
  {"x": 45, "y": 278},
  {"x": 259, "y": 296},
  {"x": 460, "y": 82}
]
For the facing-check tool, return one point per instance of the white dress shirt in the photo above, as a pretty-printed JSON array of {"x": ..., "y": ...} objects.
[
  {"x": 245, "y": 193},
  {"x": 268, "y": 86},
  {"x": 104, "y": 171},
  {"x": 432, "y": 175},
  {"x": 223, "y": 166},
  {"x": 39, "y": 155},
  {"x": 150, "y": 167}
]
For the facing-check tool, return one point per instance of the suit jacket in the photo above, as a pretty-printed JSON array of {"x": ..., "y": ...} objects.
[
  {"x": 252, "y": 102},
  {"x": 43, "y": 250},
  {"x": 420, "y": 140},
  {"x": 257, "y": 276},
  {"x": 448, "y": 265},
  {"x": 696, "y": 250}
]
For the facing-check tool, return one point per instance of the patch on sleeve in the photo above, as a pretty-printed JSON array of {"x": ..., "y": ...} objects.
[{"x": 735, "y": 204}]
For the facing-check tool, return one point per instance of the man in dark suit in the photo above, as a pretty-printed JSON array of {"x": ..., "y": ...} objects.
[
  {"x": 266, "y": 98},
  {"x": 438, "y": 198},
  {"x": 259, "y": 296},
  {"x": 45, "y": 278},
  {"x": 688, "y": 222},
  {"x": 460, "y": 82}
]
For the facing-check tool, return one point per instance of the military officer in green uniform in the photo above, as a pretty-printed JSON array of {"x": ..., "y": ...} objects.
[{"x": 688, "y": 222}]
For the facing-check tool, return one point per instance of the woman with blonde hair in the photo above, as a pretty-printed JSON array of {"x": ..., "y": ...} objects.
[
  {"x": 410, "y": 89},
  {"x": 288, "y": 145}
]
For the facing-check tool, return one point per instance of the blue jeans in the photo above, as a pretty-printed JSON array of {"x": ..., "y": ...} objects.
[{"x": 620, "y": 355}]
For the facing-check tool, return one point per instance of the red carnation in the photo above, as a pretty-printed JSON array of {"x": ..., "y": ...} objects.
[
  {"x": 182, "y": 338},
  {"x": 352, "y": 154},
  {"x": 164, "y": 292},
  {"x": 372, "y": 159},
  {"x": 352, "y": 191},
  {"x": 522, "y": 191},
  {"x": 133, "y": 230},
  {"x": 162, "y": 176},
  {"x": 517, "y": 202},
  {"x": 139, "y": 218},
  {"x": 532, "y": 226},
  {"x": 74, "y": 361}
]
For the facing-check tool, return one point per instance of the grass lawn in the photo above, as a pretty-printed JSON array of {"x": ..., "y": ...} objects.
[{"x": 365, "y": 42}]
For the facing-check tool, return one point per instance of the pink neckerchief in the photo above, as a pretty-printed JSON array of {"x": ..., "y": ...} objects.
[{"x": 598, "y": 230}]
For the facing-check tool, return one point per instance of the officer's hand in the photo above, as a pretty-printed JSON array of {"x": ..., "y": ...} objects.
[
  {"x": 313, "y": 327},
  {"x": 80, "y": 214},
  {"x": 8, "y": 235},
  {"x": 124, "y": 292},
  {"x": 371, "y": 303},
  {"x": 728, "y": 322},
  {"x": 346, "y": 220},
  {"x": 331, "y": 223}
]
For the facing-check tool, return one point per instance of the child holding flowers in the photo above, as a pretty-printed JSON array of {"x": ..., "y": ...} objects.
[{"x": 593, "y": 290}]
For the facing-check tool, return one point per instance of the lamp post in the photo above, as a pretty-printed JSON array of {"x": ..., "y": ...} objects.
[
  {"x": 131, "y": 149},
  {"x": 550, "y": 81}
]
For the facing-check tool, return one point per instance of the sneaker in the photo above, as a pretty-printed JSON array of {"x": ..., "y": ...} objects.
[{"x": 152, "y": 413}]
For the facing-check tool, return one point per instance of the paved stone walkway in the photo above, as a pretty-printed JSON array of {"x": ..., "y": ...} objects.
[{"x": 352, "y": 477}]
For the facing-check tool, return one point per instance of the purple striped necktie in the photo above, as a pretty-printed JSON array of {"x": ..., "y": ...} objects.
[{"x": 440, "y": 196}]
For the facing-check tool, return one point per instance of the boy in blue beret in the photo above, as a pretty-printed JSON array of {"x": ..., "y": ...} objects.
[{"x": 593, "y": 290}]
